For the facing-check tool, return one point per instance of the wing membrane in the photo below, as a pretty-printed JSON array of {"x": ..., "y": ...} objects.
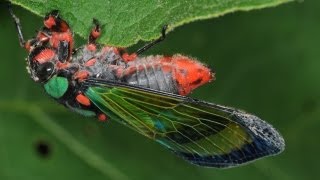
[{"x": 202, "y": 133}]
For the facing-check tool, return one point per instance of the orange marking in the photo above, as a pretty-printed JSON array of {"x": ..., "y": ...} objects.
[
  {"x": 116, "y": 50},
  {"x": 82, "y": 99},
  {"x": 61, "y": 65},
  {"x": 44, "y": 56},
  {"x": 81, "y": 75},
  {"x": 188, "y": 73},
  {"x": 27, "y": 46},
  {"x": 95, "y": 33},
  {"x": 119, "y": 72},
  {"x": 166, "y": 59},
  {"x": 42, "y": 37},
  {"x": 128, "y": 57},
  {"x": 102, "y": 117},
  {"x": 64, "y": 27},
  {"x": 50, "y": 22},
  {"x": 129, "y": 71},
  {"x": 105, "y": 49},
  {"x": 91, "y": 47},
  {"x": 166, "y": 68},
  {"x": 91, "y": 62},
  {"x": 64, "y": 36}
]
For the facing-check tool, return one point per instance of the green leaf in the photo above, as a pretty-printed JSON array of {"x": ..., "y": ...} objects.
[{"x": 126, "y": 22}]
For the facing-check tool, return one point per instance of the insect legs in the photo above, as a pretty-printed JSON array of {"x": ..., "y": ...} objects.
[
  {"x": 149, "y": 45},
  {"x": 22, "y": 42}
]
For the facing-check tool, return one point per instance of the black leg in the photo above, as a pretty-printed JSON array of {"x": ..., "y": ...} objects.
[
  {"x": 18, "y": 26},
  {"x": 53, "y": 13},
  {"x": 149, "y": 45}
]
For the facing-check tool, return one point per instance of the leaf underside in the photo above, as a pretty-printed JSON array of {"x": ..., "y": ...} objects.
[{"x": 126, "y": 22}]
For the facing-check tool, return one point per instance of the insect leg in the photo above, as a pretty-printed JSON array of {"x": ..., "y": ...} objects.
[
  {"x": 149, "y": 45},
  {"x": 18, "y": 26},
  {"x": 93, "y": 36},
  {"x": 95, "y": 32},
  {"x": 129, "y": 57},
  {"x": 53, "y": 22}
]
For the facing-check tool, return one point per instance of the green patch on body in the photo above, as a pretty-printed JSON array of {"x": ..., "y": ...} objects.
[{"x": 57, "y": 86}]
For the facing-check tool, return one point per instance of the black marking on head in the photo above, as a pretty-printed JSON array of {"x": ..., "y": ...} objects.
[
  {"x": 63, "y": 51},
  {"x": 44, "y": 71},
  {"x": 40, "y": 72}
]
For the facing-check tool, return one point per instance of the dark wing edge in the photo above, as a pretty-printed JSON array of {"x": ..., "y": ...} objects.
[{"x": 264, "y": 139}]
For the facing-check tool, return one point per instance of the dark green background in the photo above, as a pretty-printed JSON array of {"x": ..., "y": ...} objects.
[{"x": 267, "y": 62}]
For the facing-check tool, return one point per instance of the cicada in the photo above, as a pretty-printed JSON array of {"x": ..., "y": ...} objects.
[{"x": 145, "y": 93}]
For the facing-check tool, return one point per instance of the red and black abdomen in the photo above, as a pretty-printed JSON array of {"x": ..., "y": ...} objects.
[{"x": 176, "y": 74}]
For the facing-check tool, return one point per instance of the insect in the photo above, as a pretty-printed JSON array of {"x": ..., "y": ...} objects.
[{"x": 147, "y": 94}]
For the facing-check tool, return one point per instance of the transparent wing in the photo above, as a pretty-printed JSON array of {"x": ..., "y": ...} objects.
[{"x": 202, "y": 133}]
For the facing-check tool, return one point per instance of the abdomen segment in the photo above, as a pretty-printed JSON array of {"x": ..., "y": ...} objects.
[{"x": 176, "y": 74}]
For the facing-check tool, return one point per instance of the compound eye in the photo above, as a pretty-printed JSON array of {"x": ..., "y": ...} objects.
[{"x": 44, "y": 71}]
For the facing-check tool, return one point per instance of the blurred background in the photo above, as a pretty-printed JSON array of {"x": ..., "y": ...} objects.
[{"x": 266, "y": 61}]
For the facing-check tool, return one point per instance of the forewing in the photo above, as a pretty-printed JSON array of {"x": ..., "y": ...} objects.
[{"x": 202, "y": 133}]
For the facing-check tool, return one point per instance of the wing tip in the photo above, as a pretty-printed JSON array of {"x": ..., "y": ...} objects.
[
  {"x": 266, "y": 141},
  {"x": 230, "y": 160},
  {"x": 262, "y": 130}
]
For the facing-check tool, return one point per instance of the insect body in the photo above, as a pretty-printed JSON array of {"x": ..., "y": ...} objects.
[{"x": 147, "y": 94}]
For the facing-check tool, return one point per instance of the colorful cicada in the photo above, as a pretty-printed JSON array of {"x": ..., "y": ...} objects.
[{"x": 147, "y": 94}]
